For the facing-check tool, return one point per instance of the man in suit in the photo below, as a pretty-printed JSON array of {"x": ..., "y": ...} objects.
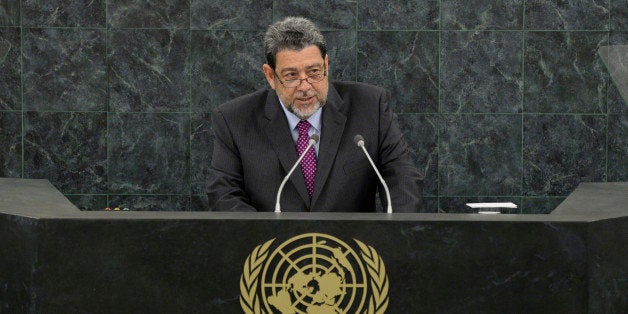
[{"x": 259, "y": 136}]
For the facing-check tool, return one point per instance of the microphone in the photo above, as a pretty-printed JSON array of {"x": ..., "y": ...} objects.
[
  {"x": 359, "y": 140},
  {"x": 313, "y": 140}
]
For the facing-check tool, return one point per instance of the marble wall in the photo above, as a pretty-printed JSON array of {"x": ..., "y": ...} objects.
[{"x": 500, "y": 100}]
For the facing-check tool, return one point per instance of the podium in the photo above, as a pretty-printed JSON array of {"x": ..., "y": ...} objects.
[{"x": 57, "y": 259}]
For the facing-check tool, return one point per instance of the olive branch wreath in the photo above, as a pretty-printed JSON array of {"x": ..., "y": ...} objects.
[
  {"x": 379, "y": 279},
  {"x": 248, "y": 281},
  {"x": 252, "y": 266}
]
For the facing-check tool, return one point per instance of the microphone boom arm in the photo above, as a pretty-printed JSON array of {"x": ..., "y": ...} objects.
[
  {"x": 359, "y": 140},
  {"x": 313, "y": 140}
]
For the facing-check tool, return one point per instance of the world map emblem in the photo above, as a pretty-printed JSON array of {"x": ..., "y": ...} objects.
[{"x": 314, "y": 273}]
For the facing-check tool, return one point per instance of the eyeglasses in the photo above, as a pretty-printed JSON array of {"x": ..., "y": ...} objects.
[{"x": 314, "y": 78}]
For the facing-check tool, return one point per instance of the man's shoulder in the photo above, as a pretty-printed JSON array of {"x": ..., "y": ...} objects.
[
  {"x": 344, "y": 87},
  {"x": 353, "y": 96},
  {"x": 246, "y": 102}
]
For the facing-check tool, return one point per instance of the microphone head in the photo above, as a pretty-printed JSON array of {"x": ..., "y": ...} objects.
[
  {"x": 314, "y": 138},
  {"x": 358, "y": 140}
]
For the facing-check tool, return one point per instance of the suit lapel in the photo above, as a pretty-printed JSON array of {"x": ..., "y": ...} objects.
[
  {"x": 278, "y": 133},
  {"x": 333, "y": 127}
]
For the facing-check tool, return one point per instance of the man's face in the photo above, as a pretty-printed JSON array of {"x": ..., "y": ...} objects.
[{"x": 306, "y": 98}]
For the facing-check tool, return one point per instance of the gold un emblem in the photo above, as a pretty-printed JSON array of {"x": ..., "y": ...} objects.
[{"x": 314, "y": 273}]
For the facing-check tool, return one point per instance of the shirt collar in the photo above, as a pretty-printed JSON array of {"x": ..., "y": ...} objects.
[{"x": 314, "y": 120}]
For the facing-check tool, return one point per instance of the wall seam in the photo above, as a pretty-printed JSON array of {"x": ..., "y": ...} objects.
[
  {"x": 523, "y": 85},
  {"x": 608, "y": 86},
  {"x": 22, "y": 112},
  {"x": 439, "y": 111},
  {"x": 107, "y": 107},
  {"x": 188, "y": 67}
]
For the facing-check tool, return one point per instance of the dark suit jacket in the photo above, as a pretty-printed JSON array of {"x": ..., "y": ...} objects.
[{"x": 254, "y": 150}]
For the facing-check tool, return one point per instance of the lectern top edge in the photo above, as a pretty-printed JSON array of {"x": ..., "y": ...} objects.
[{"x": 38, "y": 199}]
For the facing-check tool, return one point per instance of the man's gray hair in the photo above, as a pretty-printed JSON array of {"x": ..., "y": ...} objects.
[{"x": 294, "y": 33}]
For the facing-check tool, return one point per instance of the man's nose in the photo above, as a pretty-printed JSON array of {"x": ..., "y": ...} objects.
[{"x": 304, "y": 84}]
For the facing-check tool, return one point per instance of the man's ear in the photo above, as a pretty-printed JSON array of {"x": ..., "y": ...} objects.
[{"x": 270, "y": 75}]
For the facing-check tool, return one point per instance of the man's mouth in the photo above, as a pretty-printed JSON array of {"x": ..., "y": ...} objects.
[{"x": 305, "y": 99}]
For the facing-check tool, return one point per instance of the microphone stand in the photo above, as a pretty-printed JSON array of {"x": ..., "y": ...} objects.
[
  {"x": 359, "y": 140},
  {"x": 313, "y": 140}
]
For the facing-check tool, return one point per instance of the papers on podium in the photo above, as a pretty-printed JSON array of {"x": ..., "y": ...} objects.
[{"x": 491, "y": 208}]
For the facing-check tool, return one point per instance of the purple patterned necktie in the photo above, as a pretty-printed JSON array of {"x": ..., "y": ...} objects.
[{"x": 308, "y": 163}]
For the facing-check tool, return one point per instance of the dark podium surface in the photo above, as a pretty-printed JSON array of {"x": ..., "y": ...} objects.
[{"x": 57, "y": 259}]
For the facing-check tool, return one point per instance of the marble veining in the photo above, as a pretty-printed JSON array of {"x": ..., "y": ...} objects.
[
  {"x": 410, "y": 71},
  {"x": 10, "y": 13},
  {"x": 341, "y": 48},
  {"x": 561, "y": 151},
  {"x": 617, "y": 147},
  {"x": 149, "y": 153},
  {"x": 420, "y": 131},
  {"x": 10, "y": 66},
  {"x": 567, "y": 15},
  {"x": 397, "y": 14},
  {"x": 148, "y": 14},
  {"x": 563, "y": 72},
  {"x": 619, "y": 15},
  {"x": 540, "y": 205},
  {"x": 64, "y": 69},
  {"x": 11, "y": 148},
  {"x": 616, "y": 103},
  {"x": 200, "y": 151},
  {"x": 225, "y": 64},
  {"x": 326, "y": 14},
  {"x": 64, "y": 13},
  {"x": 229, "y": 14},
  {"x": 68, "y": 149},
  {"x": 481, "y": 72},
  {"x": 471, "y": 83},
  {"x": 480, "y": 155},
  {"x": 148, "y": 71},
  {"x": 482, "y": 14}
]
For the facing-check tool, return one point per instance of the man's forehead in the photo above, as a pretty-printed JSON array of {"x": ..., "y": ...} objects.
[
  {"x": 301, "y": 67},
  {"x": 299, "y": 59}
]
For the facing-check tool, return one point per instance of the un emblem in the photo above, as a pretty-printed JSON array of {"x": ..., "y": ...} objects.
[{"x": 314, "y": 273}]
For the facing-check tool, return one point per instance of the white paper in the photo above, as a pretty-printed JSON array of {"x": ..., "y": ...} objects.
[
  {"x": 488, "y": 212},
  {"x": 492, "y": 205}
]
